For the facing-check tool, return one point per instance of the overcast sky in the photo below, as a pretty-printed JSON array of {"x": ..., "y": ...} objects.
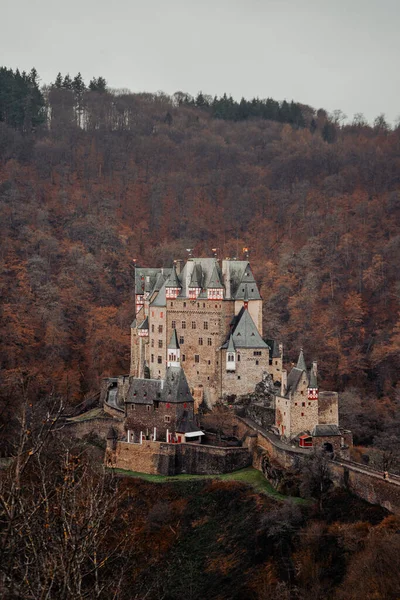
[{"x": 331, "y": 54}]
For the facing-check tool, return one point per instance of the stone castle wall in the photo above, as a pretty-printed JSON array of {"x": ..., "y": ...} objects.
[
  {"x": 160, "y": 458},
  {"x": 249, "y": 370}
]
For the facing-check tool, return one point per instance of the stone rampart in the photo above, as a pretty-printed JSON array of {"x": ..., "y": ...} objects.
[
  {"x": 362, "y": 481},
  {"x": 173, "y": 459}
]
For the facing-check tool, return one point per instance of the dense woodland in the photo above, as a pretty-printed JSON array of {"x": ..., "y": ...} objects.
[{"x": 92, "y": 179}]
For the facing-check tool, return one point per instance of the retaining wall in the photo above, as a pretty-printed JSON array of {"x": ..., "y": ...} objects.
[{"x": 173, "y": 459}]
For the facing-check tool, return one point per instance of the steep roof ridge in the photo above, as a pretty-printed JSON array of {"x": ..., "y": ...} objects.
[
  {"x": 173, "y": 343},
  {"x": 301, "y": 362},
  {"x": 245, "y": 333},
  {"x": 173, "y": 280},
  {"x": 231, "y": 344},
  {"x": 215, "y": 279}
]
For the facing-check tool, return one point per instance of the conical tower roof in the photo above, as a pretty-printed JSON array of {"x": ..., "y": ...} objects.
[
  {"x": 215, "y": 280},
  {"x": 301, "y": 363},
  {"x": 231, "y": 345},
  {"x": 173, "y": 343},
  {"x": 173, "y": 281}
]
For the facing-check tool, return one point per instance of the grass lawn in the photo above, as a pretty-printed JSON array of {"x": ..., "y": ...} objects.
[{"x": 248, "y": 475}]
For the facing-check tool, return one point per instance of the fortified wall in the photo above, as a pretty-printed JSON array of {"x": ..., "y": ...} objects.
[
  {"x": 373, "y": 486},
  {"x": 160, "y": 458}
]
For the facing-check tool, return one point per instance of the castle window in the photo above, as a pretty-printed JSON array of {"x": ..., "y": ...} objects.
[
  {"x": 172, "y": 303},
  {"x": 302, "y": 392},
  {"x": 303, "y": 403},
  {"x": 159, "y": 360},
  {"x": 183, "y": 358},
  {"x": 152, "y": 343},
  {"x": 183, "y": 324},
  {"x": 205, "y": 325},
  {"x": 252, "y": 289},
  {"x": 148, "y": 407},
  {"x": 152, "y": 358},
  {"x": 160, "y": 329},
  {"x": 231, "y": 357},
  {"x": 257, "y": 353},
  {"x": 152, "y": 313},
  {"x": 204, "y": 304},
  {"x": 198, "y": 305},
  {"x": 181, "y": 339},
  {"x": 161, "y": 315},
  {"x": 209, "y": 362},
  {"x": 295, "y": 403},
  {"x": 160, "y": 343},
  {"x": 302, "y": 414},
  {"x": 238, "y": 376},
  {"x": 152, "y": 329},
  {"x": 167, "y": 419},
  {"x": 257, "y": 362},
  {"x": 309, "y": 404},
  {"x": 276, "y": 362},
  {"x": 173, "y": 324},
  {"x": 184, "y": 305},
  {"x": 156, "y": 404},
  {"x": 193, "y": 324},
  {"x": 209, "y": 341},
  {"x": 200, "y": 341},
  {"x": 196, "y": 358},
  {"x": 238, "y": 357}
]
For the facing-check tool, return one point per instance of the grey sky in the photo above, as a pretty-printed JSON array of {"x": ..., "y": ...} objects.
[{"x": 331, "y": 54}]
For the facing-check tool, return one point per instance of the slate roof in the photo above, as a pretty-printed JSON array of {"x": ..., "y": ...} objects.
[
  {"x": 325, "y": 430},
  {"x": 313, "y": 379},
  {"x": 245, "y": 333},
  {"x": 231, "y": 345},
  {"x": 144, "y": 391},
  {"x": 215, "y": 280},
  {"x": 161, "y": 298},
  {"x": 301, "y": 363},
  {"x": 196, "y": 281},
  {"x": 174, "y": 388},
  {"x": 293, "y": 379},
  {"x": 186, "y": 424},
  {"x": 273, "y": 344},
  {"x": 147, "y": 279},
  {"x": 173, "y": 344},
  {"x": 173, "y": 281},
  {"x": 144, "y": 324}
]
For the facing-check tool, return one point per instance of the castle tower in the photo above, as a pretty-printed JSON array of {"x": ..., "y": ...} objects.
[
  {"x": 231, "y": 355},
  {"x": 174, "y": 352}
]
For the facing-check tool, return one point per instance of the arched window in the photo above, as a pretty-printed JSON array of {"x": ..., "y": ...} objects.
[{"x": 231, "y": 357}]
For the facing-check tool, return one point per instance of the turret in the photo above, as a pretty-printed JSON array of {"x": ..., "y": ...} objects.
[
  {"x": 172, "y": 285},
  {"x": 231, "y": 355},
  {"x": 174, "y": 352}
]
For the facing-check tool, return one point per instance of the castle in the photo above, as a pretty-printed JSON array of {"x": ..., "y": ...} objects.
[
  {"x": 197, "y": 338},
  {"x": 216, "y": 311}
]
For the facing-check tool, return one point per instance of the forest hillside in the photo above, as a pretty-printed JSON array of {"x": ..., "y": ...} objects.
[{"x": 92, "y": 180}]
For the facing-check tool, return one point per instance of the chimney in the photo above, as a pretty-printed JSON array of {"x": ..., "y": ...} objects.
[
  {"x": 178, "y": 265},
  {"x": 314, "y": 368}
]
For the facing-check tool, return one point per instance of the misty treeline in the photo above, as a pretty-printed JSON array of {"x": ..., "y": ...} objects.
[{"x": 109, "y": 177}]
